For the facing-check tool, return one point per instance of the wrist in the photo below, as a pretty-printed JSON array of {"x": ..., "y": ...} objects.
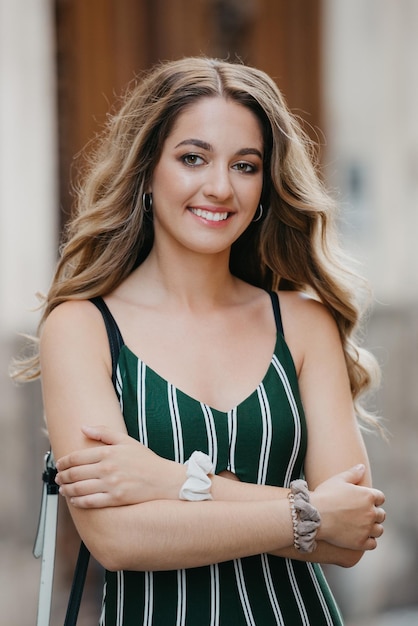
[
  {"x": 322, "y": 533},
  {"x": 306, "y": 519},
  {"x": 176, "y": 474},
  {"x": 198, "y": 484}
]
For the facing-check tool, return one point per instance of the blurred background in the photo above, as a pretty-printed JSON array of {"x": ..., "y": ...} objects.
[{"x": 349, "y": 69}]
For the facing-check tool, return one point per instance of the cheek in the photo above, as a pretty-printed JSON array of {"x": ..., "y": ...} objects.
[
  {"x": 184, "y": 182},
  {"x": 173, "y": 183},
  {"x": 251, "y": 194}
]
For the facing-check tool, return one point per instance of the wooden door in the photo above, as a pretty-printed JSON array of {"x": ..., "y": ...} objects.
[{"x": 102, "y": 44}]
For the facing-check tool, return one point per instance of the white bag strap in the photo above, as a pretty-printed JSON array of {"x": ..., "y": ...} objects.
[{"x": 46, "y": 538}]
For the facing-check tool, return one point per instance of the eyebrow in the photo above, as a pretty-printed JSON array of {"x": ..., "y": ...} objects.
[{"x": 207, "y": 146}]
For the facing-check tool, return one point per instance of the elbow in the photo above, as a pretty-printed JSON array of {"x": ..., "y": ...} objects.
[
  {"x": 110, "y": 562},
  {"x": 103, "y": 549},
  {"x": 99, "y": 532},
  {"x": 110, "y": 557},
  {"x": 106, "y": 554},
  {"x": 114, "y": 556}
]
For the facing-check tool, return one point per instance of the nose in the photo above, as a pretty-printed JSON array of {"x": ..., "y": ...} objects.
[{"x": 218, "y": 182}]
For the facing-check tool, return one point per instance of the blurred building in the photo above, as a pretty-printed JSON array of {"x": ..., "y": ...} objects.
[{"x": 348, "y": 68}]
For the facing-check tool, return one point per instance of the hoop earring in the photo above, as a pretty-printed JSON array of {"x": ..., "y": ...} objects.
[
  {"x": 147, "y": 202},
  {"x": 258, "y": 218}
]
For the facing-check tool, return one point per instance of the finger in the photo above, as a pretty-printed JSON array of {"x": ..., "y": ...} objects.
[
  {"x": 86, "y": 456},
  {"x": 370, "y": 544},
  {"x": 77, "y": 473},
  {"x": 354, "y": 475},
  {"x": 379, "y": 497},
  {"x": 82, "y": 488},
  {"x": 104, "y": 434},
  {"x": 378, "y": 531},
  {"x": 92, "y": 501},
  {"x": 380, "y": 515}
]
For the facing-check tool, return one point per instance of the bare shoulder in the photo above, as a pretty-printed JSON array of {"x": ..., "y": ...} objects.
[
  {"x": 74, "y": 325},
  {"x": 304, "y": 309},
  {"x": 307, "y": 323},
  {"x": 72, "y": 311},
  {"x": 76, "y": 372},
  {"x": 79, "y": 314}
]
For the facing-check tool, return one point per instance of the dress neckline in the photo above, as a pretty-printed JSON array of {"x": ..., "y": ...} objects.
[{"x": 187, "y": 395}]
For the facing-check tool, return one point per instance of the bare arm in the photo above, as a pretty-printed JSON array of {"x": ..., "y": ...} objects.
[
  {"x": 156, "y": 534},
  {"x": 334, "y": 439},
  {"x": 111, "y": 476},
  {"x": 243, "y": 520}
]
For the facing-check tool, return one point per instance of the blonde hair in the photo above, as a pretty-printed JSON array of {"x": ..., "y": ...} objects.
[{"x": 294, "y": 246}]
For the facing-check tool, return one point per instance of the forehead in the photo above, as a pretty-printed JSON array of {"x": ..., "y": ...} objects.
[{"x": 218, "y": 119}]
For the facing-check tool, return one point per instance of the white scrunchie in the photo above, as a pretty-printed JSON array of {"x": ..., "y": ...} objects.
[{"x": 198, "y": 484}]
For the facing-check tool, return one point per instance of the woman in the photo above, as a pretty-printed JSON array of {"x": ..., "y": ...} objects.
[{"x": 201, "y": 203}]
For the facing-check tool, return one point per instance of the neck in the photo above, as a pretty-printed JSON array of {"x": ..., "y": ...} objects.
[{"x": 192, "y": 280}]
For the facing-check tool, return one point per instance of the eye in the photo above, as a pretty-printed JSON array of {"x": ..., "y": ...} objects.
[
  {"x": 245, "y": 167},
  {"x": 192, "y": 159}
]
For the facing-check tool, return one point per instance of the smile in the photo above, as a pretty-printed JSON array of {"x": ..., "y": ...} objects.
[{"x": 211, "y": 216}]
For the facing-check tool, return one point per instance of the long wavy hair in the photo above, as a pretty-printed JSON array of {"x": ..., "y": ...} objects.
[{"x": 293, "y": 247}]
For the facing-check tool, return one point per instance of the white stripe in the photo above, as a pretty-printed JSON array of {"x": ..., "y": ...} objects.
[
  {"x": 266, "y": 435},
  {"x": 175, "y": 424},
  {"x": 211, "y": 433},
  {"x": 143, "y": 438},
  {"x": 179, "y": 458},
  {"x": 296, "y": 593},
  {"x": 232, "y": 431},
  {"x": 148, "y": 598},
  {"x": 271, "y": 591},
  {"x": 120, "y": 596},
  {"x": 181, "y": 597},
  {"x": 214, "y": 595},
  {"x": 296, "y": 447},
  {"x": 142, "y": 418},
  {"x": 119, "y": 387},
  {"x": 320, "y": 595},
  {"x": 296, "y": 418},
  {"x": 245, "y": 602},
  {"x": 103, "y": 611}
]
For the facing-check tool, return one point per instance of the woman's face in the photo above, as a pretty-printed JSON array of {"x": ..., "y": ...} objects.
[{"x": 208, "y": 181}]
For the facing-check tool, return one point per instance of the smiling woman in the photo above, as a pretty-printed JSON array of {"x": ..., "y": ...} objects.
[
  {"x": 229, "y": 463},
  {"x": 211, "y": 167}
]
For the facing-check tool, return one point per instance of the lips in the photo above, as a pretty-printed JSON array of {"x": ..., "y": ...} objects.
[{"x": 211, "y": 216}]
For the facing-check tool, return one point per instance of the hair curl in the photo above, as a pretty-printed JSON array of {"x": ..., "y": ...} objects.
[{"x": 293, "y": 247}]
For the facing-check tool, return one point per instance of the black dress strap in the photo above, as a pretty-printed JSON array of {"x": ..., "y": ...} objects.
[
  {"x": 113, "y": 333},
  {"x": 80, "y": 572},
  {"x": 276, "y": 309}
]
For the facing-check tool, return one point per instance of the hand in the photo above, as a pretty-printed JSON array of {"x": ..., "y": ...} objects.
[
  {"x": 351, "y": 515},
  {"x": 120, "y": 472}
]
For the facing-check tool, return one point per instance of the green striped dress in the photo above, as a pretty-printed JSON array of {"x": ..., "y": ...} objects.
[{"x": 263, "y": 441}]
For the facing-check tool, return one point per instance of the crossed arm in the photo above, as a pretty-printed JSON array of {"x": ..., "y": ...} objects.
[
  {"x": 122, "y": 472},
  {"x": 124, "y": 498}
]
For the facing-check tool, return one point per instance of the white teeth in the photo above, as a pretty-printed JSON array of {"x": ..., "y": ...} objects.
[{"x": 210, "y": 215}]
